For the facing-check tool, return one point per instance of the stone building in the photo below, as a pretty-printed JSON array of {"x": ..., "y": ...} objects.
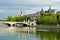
[
  {"x": 32, "y": 23},
  {"x": 58, "y": 12},
  {"x": 50, "y": 10},
  {"x": 21, "y": 13}
]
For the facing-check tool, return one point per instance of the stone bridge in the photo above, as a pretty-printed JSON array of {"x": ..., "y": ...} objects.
[
  {"x": 11, "y": 24},
  {"x": 14, "y": 23}
]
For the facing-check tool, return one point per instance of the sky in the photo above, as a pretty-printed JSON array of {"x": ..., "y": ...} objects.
[{"x": 13, "y": 7}]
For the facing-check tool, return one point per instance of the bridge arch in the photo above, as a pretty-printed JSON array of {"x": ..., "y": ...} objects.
[
  {"x": 14, "y": 24},
  {"x": 21, "y": 24}
]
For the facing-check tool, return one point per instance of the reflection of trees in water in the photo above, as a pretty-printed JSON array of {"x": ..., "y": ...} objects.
[
  {"x": 58, "y": 36},
  {"x": 40, "y": 35},
  {"x": 46, "y": 35}
]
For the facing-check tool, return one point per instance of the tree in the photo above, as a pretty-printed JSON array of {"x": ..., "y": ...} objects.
[
  {"x": 38, "y": 20},
  {"x": 47, "y": 19},
  {"x": 18, "y": 18},
  {"x": 9, "y": 18}
]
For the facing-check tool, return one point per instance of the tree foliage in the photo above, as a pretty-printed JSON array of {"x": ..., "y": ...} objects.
[
  {"x": 47, "y": 18},
  {"x": 9, "y": 18},
  {"x": 18, "y": 18}
]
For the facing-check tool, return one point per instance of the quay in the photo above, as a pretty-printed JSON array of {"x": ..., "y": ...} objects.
[{"x": 48, "y": 27}]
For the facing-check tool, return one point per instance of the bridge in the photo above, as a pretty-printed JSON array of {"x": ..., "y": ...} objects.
[{"x": 11, "y": 24}]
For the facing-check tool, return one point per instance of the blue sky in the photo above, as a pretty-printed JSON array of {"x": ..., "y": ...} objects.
[{"x": 13, "y": 7}]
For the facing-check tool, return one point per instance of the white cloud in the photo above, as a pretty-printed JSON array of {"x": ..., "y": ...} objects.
[
  {"x": 30, "y": 1},
  {"x": 56, "y": 0},
  {"x": 37, "y": 3},
  {"x": 30, "y": 11},
  {"x": 1, "y": 10},
  {"x": 13, "y": 7}
]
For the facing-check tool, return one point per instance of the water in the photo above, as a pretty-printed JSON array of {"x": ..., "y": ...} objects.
[{"x": 41, "y": 35}]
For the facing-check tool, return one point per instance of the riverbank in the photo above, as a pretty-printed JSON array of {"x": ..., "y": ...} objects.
[{"x": 49, "y": 27}]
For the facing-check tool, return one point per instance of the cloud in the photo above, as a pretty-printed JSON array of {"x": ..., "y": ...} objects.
[
  {"x": 19, "y": 2},
  {"x": 56, "y": 0},
  {"x": 12, "y": 7},
  {"x": 26, "y": 2},
  {"x": 1, "y": 10}
]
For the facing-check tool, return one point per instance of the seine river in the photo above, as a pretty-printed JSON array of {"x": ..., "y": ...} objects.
[{"x": 38, "y": 35}]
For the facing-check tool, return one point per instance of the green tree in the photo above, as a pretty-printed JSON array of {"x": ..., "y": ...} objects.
[
  {"x": 18, "y": 18},
  {"x": 9, "y": 18},
  {"x": 47, "y": 19}
]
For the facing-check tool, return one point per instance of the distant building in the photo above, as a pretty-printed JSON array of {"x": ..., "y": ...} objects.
[
  {"x": 58, "y": 12},
  {"x": 37, "y": 14},
  {"x": 32, "y": 23},
  {"x": 42, "y": 11},
  {"x": 21, "y": 13},
  {"x": 50, "y": 10},
  {"x": 33, "y": 16}
]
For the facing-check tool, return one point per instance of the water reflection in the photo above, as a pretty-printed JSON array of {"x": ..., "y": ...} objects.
[
  {"x": 41, "y": 35},
  {"x": 46, "y": 35},
  {"x": 58, "y": 36}
]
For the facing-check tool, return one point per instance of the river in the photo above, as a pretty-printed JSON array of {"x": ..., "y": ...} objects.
[{"x": 38, "y": 35}]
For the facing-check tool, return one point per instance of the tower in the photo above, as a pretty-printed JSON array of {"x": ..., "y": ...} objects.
[
  {"x": 41, "y": 10},
  {"x": 21, "y": 13},
  {"x": 49, "y": 10}
]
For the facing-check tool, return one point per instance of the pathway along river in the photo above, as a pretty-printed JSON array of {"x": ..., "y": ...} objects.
[{"x": 41, "y": 35}]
